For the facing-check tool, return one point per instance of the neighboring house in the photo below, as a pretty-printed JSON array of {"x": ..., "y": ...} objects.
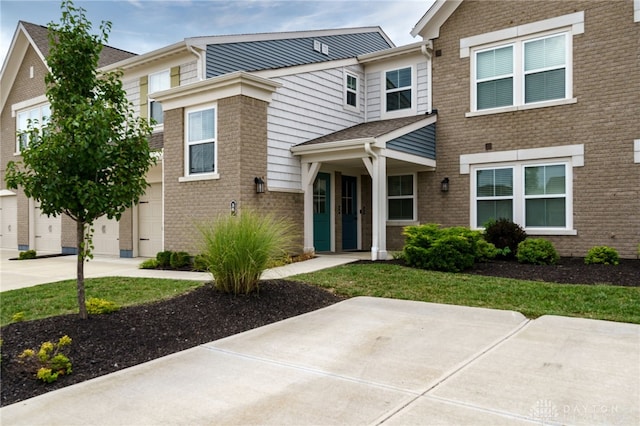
[
  {"x": 22, "y": 97},
  {"x": 538, "y": 118}
]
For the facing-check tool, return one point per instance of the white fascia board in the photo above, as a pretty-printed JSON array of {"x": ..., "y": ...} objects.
[
  {"x": 147, "y": 58},
  {"x": 575, "y": 152},
  {"x": 408, "y": 158},
  {"x": 391, "y": 53},
  {"x": 429, "y": 25},
  {"x": 232, "y": 84},
  {"x": 328, "y": 147},
  {"x": 245, "y": 38}
]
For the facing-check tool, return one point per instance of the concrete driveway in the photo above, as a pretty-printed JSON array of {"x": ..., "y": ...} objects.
[{"x": 369, "y": 361}]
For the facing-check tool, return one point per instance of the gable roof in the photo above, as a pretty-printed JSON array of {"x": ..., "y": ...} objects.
[
  {"x": 429, "y": 25},
  {"x": 36, "y": 36}
]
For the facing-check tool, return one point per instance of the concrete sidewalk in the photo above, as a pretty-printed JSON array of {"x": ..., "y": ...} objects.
[{"x": 373, "y": 361}]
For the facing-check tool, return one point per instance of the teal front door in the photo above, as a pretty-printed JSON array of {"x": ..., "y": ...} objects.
[
  {"x": 349, "y": 209},
  {"x": 322, "y": 212}
]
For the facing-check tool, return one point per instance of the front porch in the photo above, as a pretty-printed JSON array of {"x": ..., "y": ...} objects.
[{"x": 359, "y": 181}]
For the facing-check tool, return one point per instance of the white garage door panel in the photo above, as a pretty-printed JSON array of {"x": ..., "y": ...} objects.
[
  {"x": 150, "y": 221},
  {"x": 48, "y": 232},
  {"x": 106, "y": 236},
  {"x": 9, "y": 222}
]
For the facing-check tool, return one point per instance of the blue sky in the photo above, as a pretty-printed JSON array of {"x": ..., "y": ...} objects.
[{"x": 140, "y": 26}]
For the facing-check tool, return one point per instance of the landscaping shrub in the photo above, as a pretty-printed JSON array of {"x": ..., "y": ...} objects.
[
  {"x": 200, "y": 263},
  {"x": 237, "y": 249},
  {"x": 444, "y": 249},
  {"x": 603, "y": 255},
  {"x": 505, "y": 234},
  {"x": 48, "y": 363},
  {"x": 179, "y": 259},
  {"x": 96, "y": 306},
  {"x": 29, "y": 254},
  {"x": 537, "y": 251},
  {"x": 164, "y": 259},
  {"x": 150, "y": 264}
]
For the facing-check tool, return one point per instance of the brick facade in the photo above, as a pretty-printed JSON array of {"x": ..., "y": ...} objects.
[
  {"x": 242, "y": 156},
  {"x": 606, "y": 83}
]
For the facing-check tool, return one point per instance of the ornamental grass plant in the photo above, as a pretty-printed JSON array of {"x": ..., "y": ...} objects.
[{"x": 237, "y": 249}]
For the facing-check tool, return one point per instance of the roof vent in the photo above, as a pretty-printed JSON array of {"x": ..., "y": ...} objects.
[{"x": 320, "y": 47}]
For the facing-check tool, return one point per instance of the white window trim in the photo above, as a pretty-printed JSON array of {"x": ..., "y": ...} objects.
[
  {"x": 636, "y": 10},
  {"x": 571, "y": 155},
  {"x": 150, "y": 99},
  {"x": 188, "y": 177},
  {"x": 414, "y": 197},
  {"x": 347, "y": 106},
  {"x": 26, "y": 107},
  {"x": 384, "y": 114},
  {"x": 572, "y": 24},
  {"x": 636, "y": 150}
]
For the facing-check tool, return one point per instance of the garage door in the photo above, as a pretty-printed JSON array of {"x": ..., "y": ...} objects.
[
  {"x": 106, "y": 236},
  {"x": 150, "y": 221},
  {"x": 9, "y": 222},
  {"x": 48, "y": 232}
]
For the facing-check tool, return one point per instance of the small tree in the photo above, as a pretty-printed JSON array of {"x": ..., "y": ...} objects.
[{"x": 92, "y": 155}]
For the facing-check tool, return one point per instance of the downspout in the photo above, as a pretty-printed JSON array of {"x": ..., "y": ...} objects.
[
  {"x": 201, "y": 61},
  {"x": 427, "y": 50}
]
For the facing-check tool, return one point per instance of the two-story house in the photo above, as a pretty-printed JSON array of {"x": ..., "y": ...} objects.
[
  {"x": 22, "y": 98},
  {"x": 538, "y": 105}
]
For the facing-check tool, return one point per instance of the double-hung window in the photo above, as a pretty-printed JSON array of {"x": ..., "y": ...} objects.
[
  {"x": 523, "y": 72},
  {"x": 522, "y": 67},
  {"x": 37, "y": 117},
  {"x": 351, "y": 90},
  {"x": 200, "y": 146},
  {"x": 398, "y": 89},
  {"x": 536, "y": 196},
  {"x": 157, "y": 82},
  {"x": 401, "y": 197}
]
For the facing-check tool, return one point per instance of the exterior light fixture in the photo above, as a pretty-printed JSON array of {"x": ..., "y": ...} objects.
[
  {"x": 444, "y": 185},
  {"x": 259, "y": 185}
]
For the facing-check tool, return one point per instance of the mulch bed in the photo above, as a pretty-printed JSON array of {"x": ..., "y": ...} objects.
[{"x": 107, "y": 343}]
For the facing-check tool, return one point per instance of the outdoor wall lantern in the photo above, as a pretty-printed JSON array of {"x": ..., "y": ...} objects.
[
  {"x": 444, "y": 185},
  {"x": 259, "y": 185}
]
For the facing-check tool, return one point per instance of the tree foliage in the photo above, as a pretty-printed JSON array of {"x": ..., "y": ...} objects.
[{"x": 90, "y": 158}]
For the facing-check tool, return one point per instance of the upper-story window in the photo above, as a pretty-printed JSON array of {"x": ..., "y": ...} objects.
[
  {"x": 200, "y": 146},
  {"x": 398, "y": 89},
  {"x": 522, "y": 72},
  {"x": 523, "y": 67},
  {"x": 157, "y": 82},
  {"x": 351, "y": 90},
  {"x": 37, "y": 116}
]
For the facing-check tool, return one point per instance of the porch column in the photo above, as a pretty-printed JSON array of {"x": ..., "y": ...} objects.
[
  {"x": 309, "y": 173},
  {"x": 379, "y": 211}
]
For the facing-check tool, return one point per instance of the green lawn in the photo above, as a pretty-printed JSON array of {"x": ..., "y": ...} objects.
[
  {"x": 60, "y": 298},
  {"x": 531, "y": 298}
]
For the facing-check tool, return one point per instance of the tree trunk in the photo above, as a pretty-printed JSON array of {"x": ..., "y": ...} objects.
[{"x": 82, "y": 306}]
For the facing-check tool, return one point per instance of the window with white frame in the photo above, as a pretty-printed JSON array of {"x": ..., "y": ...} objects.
[
  {"x": 522, "y": 72},
  {"x": 536, "y": 196},
  {"x": 37, "y": 117},
  {"x": 398, "y": 89},
  {"x": 157, "y": 82},
  {"x": 351, "y": 90},
  {"x": 200, "y": 146},
  {"x": 401, "y": 197}
]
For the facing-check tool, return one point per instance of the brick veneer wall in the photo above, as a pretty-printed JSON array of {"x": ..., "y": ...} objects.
[
  {"x": 606, "y": 83},
  {"x": 242, "y": 156}
]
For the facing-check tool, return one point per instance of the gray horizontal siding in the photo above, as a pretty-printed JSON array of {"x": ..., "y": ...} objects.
[
  {"x": 271, "y": 54},
  {"x": 421, "y": 142}
]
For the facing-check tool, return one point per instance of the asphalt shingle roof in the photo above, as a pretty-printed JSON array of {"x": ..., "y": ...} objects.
[{"x": 39, "y": 35}]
